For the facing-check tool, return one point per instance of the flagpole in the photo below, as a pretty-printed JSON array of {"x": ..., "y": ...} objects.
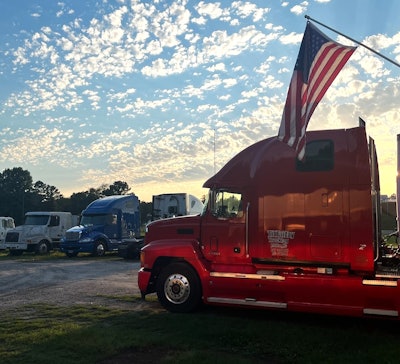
[{"x": 353, "y": 40}]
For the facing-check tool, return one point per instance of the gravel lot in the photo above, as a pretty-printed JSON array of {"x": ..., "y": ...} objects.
[{"x": 70, "y": 281}]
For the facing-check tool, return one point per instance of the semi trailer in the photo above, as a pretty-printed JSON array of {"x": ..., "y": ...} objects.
[{"x": 175, "y": 204}]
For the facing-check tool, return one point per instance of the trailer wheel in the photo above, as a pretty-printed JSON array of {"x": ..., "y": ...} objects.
[
  {"x": 179, "y": 288},
  {"x": 42, "y": 248},
  {"x": 99, "y": 249}
]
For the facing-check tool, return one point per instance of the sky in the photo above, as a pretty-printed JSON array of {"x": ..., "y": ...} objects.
[{"x": 161, "y": 94}]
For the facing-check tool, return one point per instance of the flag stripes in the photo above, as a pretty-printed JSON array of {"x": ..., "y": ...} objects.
[{"x": 319, "y": 62}]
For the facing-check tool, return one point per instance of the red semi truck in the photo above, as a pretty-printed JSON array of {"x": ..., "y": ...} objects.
[{"x": 283, "y": 234}]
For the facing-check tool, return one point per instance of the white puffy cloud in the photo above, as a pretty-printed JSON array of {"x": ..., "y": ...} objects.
[
  {"x": 138, "y": 90},
  {"x": 300, "y": 8}
]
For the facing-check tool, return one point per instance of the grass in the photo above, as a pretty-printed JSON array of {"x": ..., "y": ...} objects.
[
  {"x": 89, "y": 334},
  {"x": 96, "y": 334}
]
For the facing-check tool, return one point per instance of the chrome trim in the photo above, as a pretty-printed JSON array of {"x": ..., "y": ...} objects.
[
  {"x": 377, "y": 282},
  {"x": 247, "y": 302},
  {"x": 247, "y": 229},
  {"x": 272, "y": 277},
  {"x": 374, "y": 311}
]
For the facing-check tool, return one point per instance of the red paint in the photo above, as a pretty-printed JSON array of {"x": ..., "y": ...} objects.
[{"x": 302, "y": 238}]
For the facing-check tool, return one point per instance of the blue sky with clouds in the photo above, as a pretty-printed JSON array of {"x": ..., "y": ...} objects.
[{"x": 98, "y": 91}]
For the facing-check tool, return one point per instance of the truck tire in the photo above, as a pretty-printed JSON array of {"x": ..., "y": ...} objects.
[
  {"x": 42, "y": 248},
  {"x": 179, "y": 288},
  {"x": 99, "y": 249}
]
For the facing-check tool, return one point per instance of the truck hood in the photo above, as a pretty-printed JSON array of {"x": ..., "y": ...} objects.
[
  {"x": 17, "y": 229},
  {"x": 175, "y": 227},
  {"x": 29, "y": 230},
  {"x": 83, "y": 229}
]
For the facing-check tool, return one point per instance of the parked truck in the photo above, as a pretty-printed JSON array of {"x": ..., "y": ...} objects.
[
  {"x": 6, "y": 223},
  {"x": 175, "y": 204},
  {"x": 284, "y": 234},
  {"x": 40, "y": 233},
  {"x": 104, "y": 225}
]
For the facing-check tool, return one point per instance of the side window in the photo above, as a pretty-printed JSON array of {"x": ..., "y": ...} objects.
[
  {"x": 319, "y": 156},
  {"x": 227, "y": 205},
  {"x": 54, "y": 220},
  {"x": 112, "y": 219}
]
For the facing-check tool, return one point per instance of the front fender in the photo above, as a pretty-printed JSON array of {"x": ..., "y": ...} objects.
[
  {"x": 187, "y": 249},
  {"x": 93, "y": 236},
  {"x": 159, "y": 253}
]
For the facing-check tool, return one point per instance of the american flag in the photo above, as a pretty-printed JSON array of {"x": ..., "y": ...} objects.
[{"x": 319, "y": 61}]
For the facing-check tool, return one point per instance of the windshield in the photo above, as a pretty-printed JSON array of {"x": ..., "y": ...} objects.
[
  {"x": 98, "y": 219},
  {"x": 36, "y": 219},
  {"x": 225, "y": 204}
]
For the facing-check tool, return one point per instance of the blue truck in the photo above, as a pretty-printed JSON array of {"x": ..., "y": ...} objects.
[{"x": 105, "y": 224}]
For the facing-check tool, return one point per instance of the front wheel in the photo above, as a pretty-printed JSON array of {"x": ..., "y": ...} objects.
[
  {"x": 42, "y": 248},
  {"x": 179, "y": 288},
  {"x": 99, "y": 249}
]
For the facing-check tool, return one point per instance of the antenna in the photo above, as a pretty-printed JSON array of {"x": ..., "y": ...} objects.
[{"x": 214, "y": 150}]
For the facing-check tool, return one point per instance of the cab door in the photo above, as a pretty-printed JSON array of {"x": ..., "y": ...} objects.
[{"x": 223, "y": 231}]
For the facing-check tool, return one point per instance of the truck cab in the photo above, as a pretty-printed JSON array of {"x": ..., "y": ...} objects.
[
  {"x": 6, "y": 224},
  {"x": 104, "y": 225},
  {"x": 40, "y": 233},
  {"x": 281, "y": 233}
]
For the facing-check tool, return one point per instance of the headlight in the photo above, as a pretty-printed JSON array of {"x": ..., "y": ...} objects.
[{"x": 142, "y": 254}]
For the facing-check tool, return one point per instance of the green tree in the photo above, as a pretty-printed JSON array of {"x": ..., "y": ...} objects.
[
  {"x": 146, "y": 209},
  {"x": 16, "y": 192},
  {"x": 79, "y": 200},
  {"x": 117, "y": 188},
  {"x": 19, "y": 194},
  {"x": 47, "y": 196}
]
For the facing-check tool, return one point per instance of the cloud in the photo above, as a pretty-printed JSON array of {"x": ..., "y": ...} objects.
[
  {"x": 211, "y": 10},
  {"x": 247, "y": 9},
  {"x": 291, "y": 38},
  {"x": 137, "y": 91},
  {"x": 300, "y": 8},
  {"x": 32, "y": 146}
]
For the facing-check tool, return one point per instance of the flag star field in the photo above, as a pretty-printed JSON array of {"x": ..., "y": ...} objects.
[{"x": 161, "y": 94}]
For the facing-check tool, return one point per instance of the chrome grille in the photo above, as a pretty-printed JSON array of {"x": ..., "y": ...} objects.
[
  {"x": 12, "y": 237},
  {"x": 72, "y": 235}
]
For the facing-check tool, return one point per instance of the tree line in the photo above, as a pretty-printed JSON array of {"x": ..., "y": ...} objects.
[{"x": 20, "y": 194}]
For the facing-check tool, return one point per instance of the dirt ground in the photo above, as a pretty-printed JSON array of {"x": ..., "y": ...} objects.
[
  {"x": 69, "y": 281},
  {"x": 76, "y": 281}
]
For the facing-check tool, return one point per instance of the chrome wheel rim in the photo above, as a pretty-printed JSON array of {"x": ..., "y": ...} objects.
[{"x": 177, "y": 288}]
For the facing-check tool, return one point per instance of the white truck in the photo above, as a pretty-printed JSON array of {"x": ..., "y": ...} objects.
[
  {"x": 40, "y": 233},
  {"x": 6, "y": 223},
  {"x": 175, "y": 204}
]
